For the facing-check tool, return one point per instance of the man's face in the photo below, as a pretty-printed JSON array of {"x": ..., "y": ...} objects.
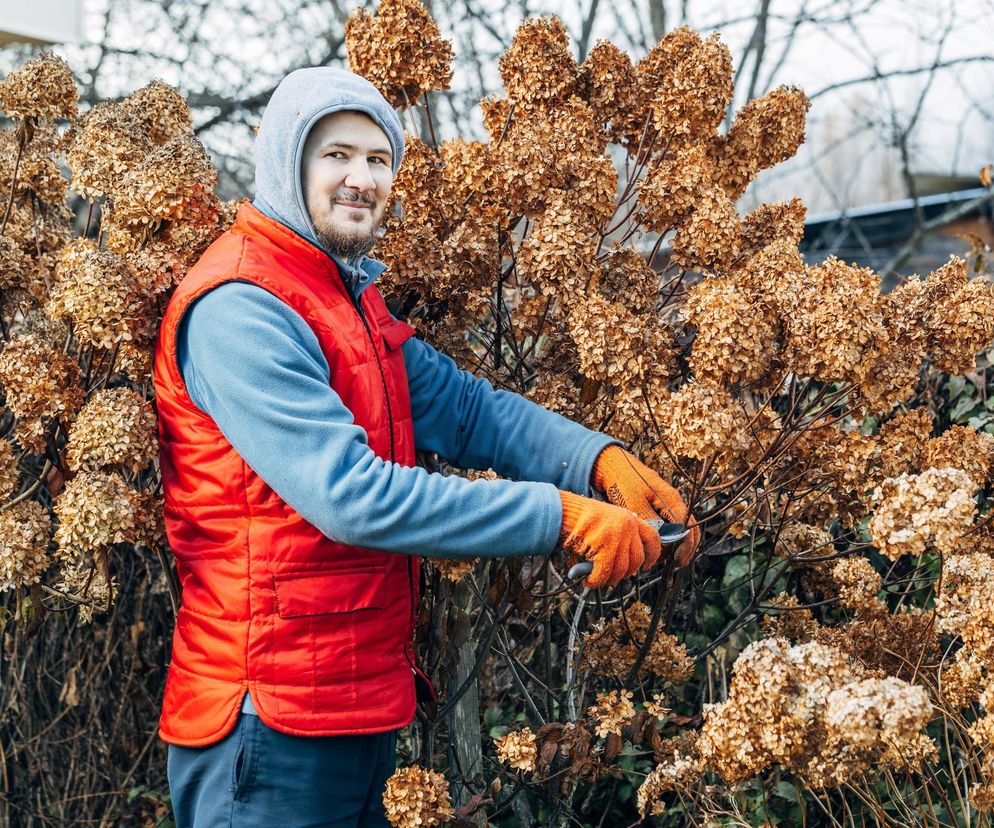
[{"x": 346, "y": 179}]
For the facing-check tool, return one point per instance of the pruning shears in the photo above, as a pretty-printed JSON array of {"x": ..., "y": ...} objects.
[{"x": 669, "y": 534}]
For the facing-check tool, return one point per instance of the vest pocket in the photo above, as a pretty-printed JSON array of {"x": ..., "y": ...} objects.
[
  {"x": 395, "y": 333},
  {"x": 300, "y": 594}
]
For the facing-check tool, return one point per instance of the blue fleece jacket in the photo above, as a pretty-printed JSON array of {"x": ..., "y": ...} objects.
[{"x": 253, "y": 365}]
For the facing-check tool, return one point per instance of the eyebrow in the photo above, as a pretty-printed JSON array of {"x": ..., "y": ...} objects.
[{"x": 354, "y": 148}]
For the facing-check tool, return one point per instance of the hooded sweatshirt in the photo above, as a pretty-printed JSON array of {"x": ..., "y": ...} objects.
[{"x": 251, "y": 363}]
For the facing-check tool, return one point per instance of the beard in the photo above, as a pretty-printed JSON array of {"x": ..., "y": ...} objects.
[
  {"x": 344, "y": 244},
  {"x": 349, "y": 243}
]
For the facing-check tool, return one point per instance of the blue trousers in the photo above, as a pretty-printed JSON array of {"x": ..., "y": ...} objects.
[{"x": 257, "y": 777}]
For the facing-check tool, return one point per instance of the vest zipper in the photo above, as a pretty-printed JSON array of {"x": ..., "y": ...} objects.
[
  {"x": 357, "y": 304},
  {"x": 383, "y": 377}
]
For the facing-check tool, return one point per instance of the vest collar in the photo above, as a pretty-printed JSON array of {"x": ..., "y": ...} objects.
[{"x": 357, "y": 274}]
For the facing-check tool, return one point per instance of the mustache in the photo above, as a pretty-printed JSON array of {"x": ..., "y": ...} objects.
[{"x": 354, "y": 197}]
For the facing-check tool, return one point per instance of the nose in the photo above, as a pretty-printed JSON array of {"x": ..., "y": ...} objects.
[{"x": 359, "y": 176}]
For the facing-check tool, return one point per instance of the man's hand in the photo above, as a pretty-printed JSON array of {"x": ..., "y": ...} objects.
[
  {"x": 627, "y": 482},
  {"x": 614, "y": 539}
]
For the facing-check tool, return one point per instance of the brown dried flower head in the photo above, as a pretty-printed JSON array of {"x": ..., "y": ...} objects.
[
  {"x": 161, "y": 111},
  {"x": 701, "y": 420},
  {"x": 737, "y": 330},
  {"x": 417, "y": 796},
  {"x": 558, "y": 254},
  {"x": 923, "y": 511},
  {"x": 771, "y": 128},
  {"x": 454, "y": 569},
  {"x": 24, "y": 532},
  {"x": 673, "y": 186},
  {"x": 627, "y": 278},
  {"x": 539, "y": 68},
  {"x": 95, "y": 511},
  {"x": 612, "y": 647},
  {"x": 108, "y": 144},
  {"x": 43, "y": 87},
  {"x": 831, "y": 318},
  {"x": 615, "y": 345},
  {"x": 399, "y": 50},
  {"x": 682, "y": 767},
  {"x": 769, "y": 223},
  {"x": 175, "y": 182},
  {"x": 607, "y": 81},
  {"x": 694, "y": 94},
  {"x": 115, "y": 429},
  {"x": 41, "y": 383},
  {"x": 709, "y": 238},
  {"x": 85, "y": 578},
  {"x": 10, "y": 470},
  {"x": 612, "y": 712},
  {"x": 518, "y": 749},
  {"x": 97, "y": 291}
]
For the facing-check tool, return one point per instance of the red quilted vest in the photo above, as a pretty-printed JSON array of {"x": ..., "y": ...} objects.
[{"x": 317, "y": 631}]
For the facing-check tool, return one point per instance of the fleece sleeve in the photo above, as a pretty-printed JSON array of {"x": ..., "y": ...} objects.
[
  {"x": 463, "y": 419},
  {"x": 254, "y": 366}
]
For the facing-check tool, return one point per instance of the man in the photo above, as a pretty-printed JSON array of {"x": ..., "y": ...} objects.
[{"x": 291, "y": 404}]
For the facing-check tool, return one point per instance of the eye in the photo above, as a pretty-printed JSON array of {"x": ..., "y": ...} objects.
[
  {"x": 334, "y": 154},
  {"x": 377, "y": 160}
]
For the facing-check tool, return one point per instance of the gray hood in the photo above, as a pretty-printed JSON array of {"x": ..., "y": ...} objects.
[{"x": 300, "y": 101}]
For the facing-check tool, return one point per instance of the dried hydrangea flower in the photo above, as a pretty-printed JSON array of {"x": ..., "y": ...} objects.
[
  {"x": 41, "y": 383},
  {"x": 982, "y": 793},
  {"x": 615, "y": 345},
  {"x": 831, "y": 318},
  {"x": 801, "y": 540},
  {"x": 701, "y": 420},
  {"x": 673, "y": 186},
  {"x": 108, "y": 144},
  {"x": 453, "y": 569},
  {"x": 682, "y": 767},
  {"x": 693, "y": 96},
  {"x": 37, "y": 170},
  {"x": 963, "y": 448},
  {"x": 874, "y": 714},
  {"x": 116, "y": 428},
  {"x": 771, "y": 128},
  {"x": 417, "y": 796},
  {"x": 607, "y": 81},
  {"x": 175, "y": 182},
  {"x": 161, "y": 111},
  {"x": 626, "y": 277},
  {"x": 737, "y": 330},
  {"x": 558, "y": 254},
  {"x": 538, "y": 67},
  {"x": 16, "y": 267},
  {"x": 10, "y": 470},
  {"x": 399, "y": 50},
  {"x": 612, "y": 712},
  {"x": 772, "y": 222},
  {"x": 418, "y": 183},
  {"x": 708, "y": 238},
  {"x": 468, "y": 172},
  {"x": 857, "y": 582},
  {"x": 43, "y": 87},
  {"x": 612, "y": 647},
  {"x": 963, "y": 327},
  {"x": 518, "y": 749},
  {"x": 24, "y": 532},
  {"x": 95, "y": 511},
  {"x": 916, "y": 512},
  {"x": 965, "y": 605},
  {"x": 97, "y": 291}
]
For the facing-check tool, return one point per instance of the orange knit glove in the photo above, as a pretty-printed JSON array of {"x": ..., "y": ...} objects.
[
  {"x": 627, "y": 482},
  {"x": 614, "y": 539}
]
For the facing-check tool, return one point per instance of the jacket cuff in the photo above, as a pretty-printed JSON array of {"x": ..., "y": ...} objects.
[{"x": 580, "y": 467}]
